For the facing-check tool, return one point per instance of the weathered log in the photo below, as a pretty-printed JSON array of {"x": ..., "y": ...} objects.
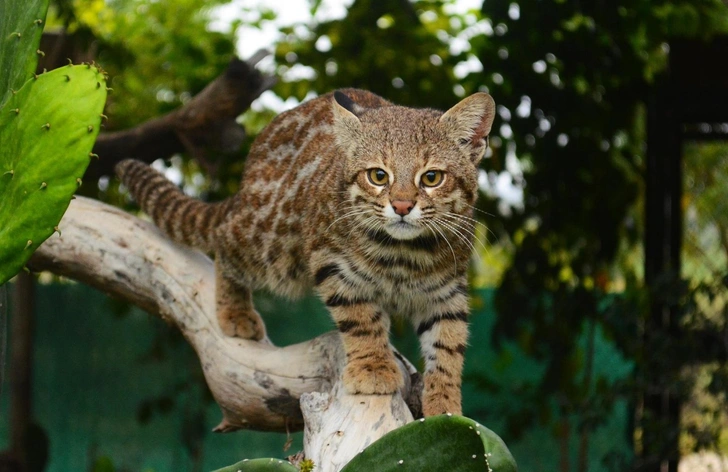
[
  {"x": 257, "y": 385},
  {"x": 339, "y": 426}
]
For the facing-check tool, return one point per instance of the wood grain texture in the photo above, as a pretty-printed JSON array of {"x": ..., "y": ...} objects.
[{"x": 257, "y": 385}]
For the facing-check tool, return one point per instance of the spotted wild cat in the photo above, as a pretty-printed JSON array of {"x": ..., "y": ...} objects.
[{"x": 368, "y": 202}]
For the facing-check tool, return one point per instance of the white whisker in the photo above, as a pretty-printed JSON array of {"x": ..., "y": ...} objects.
[
  {"x": 435, "y": 228},
  {"x": 481, "y": 211},
  {"x": 457, "y": 232},
  {"x": 463, "y": 225},
  {"x": 355, "y": 212},
  {"x": 476, "y": 222}
]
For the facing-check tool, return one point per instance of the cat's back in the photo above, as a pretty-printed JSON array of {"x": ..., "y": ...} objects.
[
  {"x": 295, "y": 159},
  {"x": 299, "y": 133}
]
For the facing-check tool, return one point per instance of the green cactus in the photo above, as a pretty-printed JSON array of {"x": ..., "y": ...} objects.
[
  {"x": 20, "y": 31},
  {"x": 263, "y": 465},
  {"x": 47, "y": 129},
  {"x": 445, "y": 442}
]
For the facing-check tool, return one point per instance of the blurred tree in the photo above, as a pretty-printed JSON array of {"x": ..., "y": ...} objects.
[
  {"x": 584, "y": 69},
  {"x": 571, "y": 79},
  {"x": 158, "y": 56},
  {"x": 706, "y": 203},
  {"x": 705, "y": 257},
  {"x": 381, "y": 46}
]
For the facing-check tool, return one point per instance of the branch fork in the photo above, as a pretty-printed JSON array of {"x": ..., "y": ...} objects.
[{"x": 257, "y": 385}]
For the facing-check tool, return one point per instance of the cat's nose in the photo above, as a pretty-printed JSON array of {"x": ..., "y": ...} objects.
[{"x": 403, "y": 207}]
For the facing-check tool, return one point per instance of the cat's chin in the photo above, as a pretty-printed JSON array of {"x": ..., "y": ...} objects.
[{"x": 404, "y": 231}]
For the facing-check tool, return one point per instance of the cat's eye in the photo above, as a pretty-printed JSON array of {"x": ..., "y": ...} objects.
[
  {"x": 378, "y": 177},
  {"x": 432, "y": 178}
]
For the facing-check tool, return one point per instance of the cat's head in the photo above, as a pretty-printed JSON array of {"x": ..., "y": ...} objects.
[{"x": 412, "y": 171}]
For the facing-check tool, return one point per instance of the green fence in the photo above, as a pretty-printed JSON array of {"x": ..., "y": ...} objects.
[{"x": 115, "y": 385}]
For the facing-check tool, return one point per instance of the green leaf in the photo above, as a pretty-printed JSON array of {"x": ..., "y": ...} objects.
[
  {"x": 20, "y": 31},
  {"x": 47, "y": 130},
  {"x": 452, "y": 443},
  {"x": 267, "y": 465}
]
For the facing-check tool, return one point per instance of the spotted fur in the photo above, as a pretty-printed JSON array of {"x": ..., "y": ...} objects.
[{"x": 309, "y": 215}]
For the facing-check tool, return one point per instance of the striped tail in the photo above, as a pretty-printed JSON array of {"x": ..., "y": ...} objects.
[{"x": 184, "y": 219}]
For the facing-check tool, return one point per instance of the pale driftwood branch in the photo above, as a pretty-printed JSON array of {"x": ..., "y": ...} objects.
[
  {"x": 339, "y": 426},
  {"x": 258, "y": 386}
]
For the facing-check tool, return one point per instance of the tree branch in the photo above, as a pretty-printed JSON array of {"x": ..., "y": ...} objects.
[
  {"x": 207, "y": 123},
  {"x": 257, "y": 385}
]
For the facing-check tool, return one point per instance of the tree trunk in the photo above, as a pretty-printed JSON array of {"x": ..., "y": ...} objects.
[{"x": 21, "y": 367}]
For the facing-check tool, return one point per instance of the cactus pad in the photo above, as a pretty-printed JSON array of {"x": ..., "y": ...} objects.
[
  {"x": 47, "y": 130},
  {"x": 20, "y": 30},
  {"x": 451, "y": 443},
  {"x": 262, "y": 465}
]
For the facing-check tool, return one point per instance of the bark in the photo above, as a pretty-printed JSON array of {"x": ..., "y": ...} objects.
[
  {"x": 257, "y": 385},
  {"x": 338, "y": 426}
]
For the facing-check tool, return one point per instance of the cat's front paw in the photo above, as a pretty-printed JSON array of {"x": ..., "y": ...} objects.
[
  {"x": 376, "y": 376},
  {"x": 439, "y": 400}
]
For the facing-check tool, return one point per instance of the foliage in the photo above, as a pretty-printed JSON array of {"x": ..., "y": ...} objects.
[
  {"x": 570, "y": 79},
  {"x": 47, "y": 128},
  {"x": 364, "y": 50},
  {"x": 705, "y": 309},
  {"x": 157, "y": 54},
  {"x": 584, "y": 69},
  {"x": 706, "y": 204}
]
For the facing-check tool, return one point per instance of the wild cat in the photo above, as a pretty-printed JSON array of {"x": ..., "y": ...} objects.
[{"x": 367, "y": 202}]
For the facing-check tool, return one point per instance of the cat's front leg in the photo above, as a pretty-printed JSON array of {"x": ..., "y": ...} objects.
[
  {"x": 370, "y": 365},
  {"x": 443, "y": 337}
]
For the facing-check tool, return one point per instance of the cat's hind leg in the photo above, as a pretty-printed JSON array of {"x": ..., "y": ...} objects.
[{"x": 235, "y": 311}]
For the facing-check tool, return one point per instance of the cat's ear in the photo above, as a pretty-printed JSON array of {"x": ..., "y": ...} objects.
[
  {"x": 347, "y": 126},
  {"x": 469, "y": 123},
  {"x": 344, "y": 101}
]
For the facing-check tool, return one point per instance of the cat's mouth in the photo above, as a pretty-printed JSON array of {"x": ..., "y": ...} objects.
[{"x": 403, "y": 230}]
